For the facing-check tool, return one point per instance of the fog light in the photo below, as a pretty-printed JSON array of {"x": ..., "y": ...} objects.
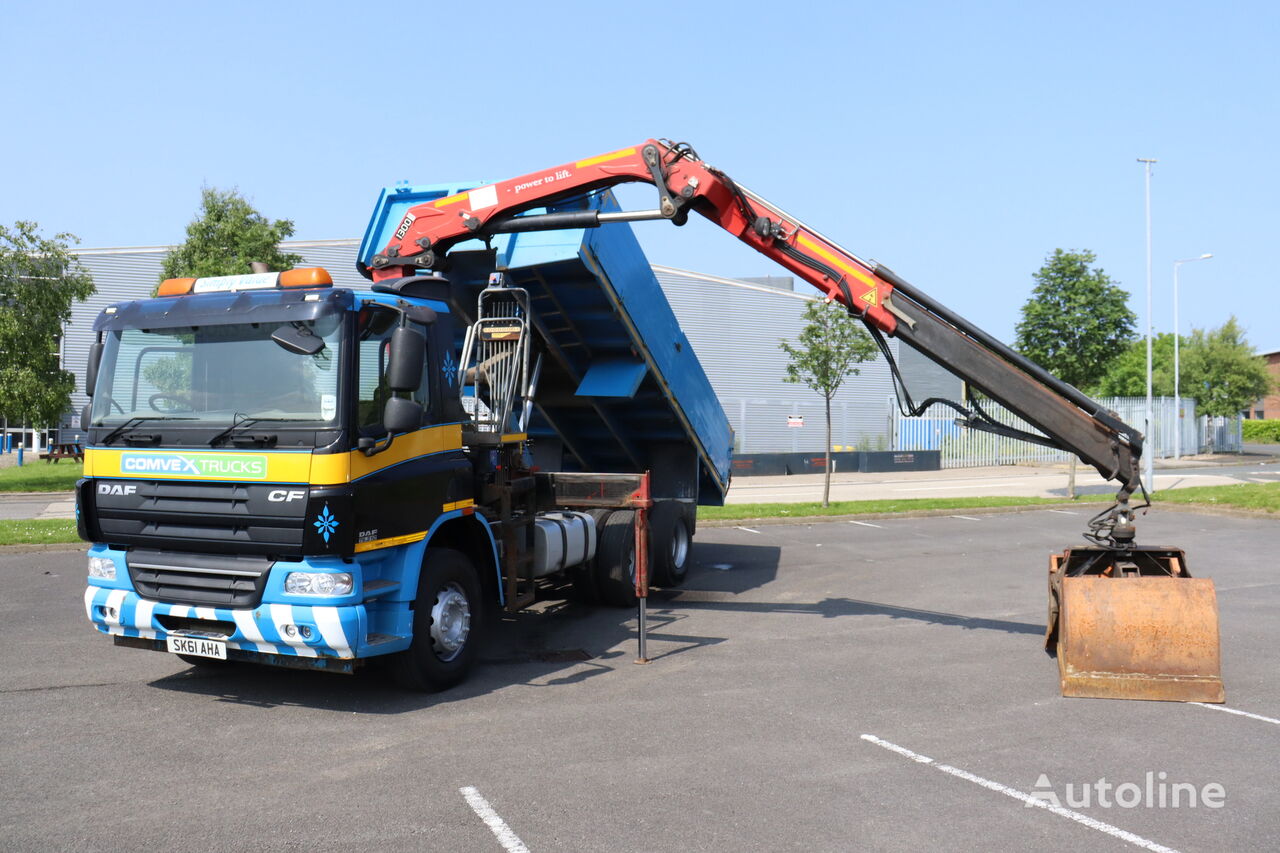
[
  {"x": 111, "y": 614},
  {"x": 318, "y": 583},
  {"x": 305, "y": 632},
  {"x": 290, "y": 631},
  {"x": 102, "y": 567}
]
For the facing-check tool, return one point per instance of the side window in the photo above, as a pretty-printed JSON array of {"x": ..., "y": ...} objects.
[{"x": 371, "y": 368}]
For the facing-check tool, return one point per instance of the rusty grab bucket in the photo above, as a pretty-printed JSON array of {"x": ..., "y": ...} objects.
[{"x": 1132, "y": 624}]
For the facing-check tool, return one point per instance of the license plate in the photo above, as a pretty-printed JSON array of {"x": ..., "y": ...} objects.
[{"x": 198, "y": 646}]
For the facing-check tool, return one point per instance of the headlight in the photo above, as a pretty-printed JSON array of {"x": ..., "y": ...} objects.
[
  {"x": 318, "y": 583},
  {"x": 102, "y": 567}
]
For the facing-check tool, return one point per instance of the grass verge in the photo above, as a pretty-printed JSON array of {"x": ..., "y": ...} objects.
[
  {"x": 41, "y": 531},
  {"x": 37, "y": 476},
  {"x": 1259, "y": 497}
]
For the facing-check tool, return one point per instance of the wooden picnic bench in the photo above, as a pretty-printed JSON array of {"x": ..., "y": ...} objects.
[{"x": 69, "y": 450}]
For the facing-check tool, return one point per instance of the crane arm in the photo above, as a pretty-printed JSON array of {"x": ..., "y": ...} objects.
[{"x": 886, "y": 303}]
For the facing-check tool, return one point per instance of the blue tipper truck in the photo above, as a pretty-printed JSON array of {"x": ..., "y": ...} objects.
[{"x": 283, "y": 471}]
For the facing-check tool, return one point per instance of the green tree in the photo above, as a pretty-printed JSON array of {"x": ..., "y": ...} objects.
[
  {"x": 39, "y": 281},
  {"x": 1220, "y": 370},
  {"x": 830, "y": 345},
  {"x": 1126, "y": 376},
  {"x": 1076, "y": 320},
  {"x": 226, "y": 237}
]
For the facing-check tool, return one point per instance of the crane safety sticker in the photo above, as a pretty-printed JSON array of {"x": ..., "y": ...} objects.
[{"x": 870, "y": 297}]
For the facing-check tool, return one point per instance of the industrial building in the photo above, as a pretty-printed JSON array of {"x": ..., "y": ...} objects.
[{"x": 734, "y": 325}]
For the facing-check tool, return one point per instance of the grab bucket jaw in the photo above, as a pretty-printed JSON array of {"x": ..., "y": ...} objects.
[{"x": 1131, "y": 624}]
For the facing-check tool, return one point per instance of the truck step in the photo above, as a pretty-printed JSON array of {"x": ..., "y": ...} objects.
[
  {"x": 381, "y": 639},
  {"x": 375, "y": 588}
]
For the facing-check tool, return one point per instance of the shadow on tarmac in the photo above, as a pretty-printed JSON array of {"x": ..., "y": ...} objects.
[
  {"x": 830, "y": 608},
  {"x": 560, "y": 642}
]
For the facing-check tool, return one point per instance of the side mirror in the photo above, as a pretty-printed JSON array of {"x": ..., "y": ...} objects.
[
  {"x": 86, "y": 416},
  {"x": 404, "y": 362},
  {"x": 91, "y": 369},
  {"x": 401, "y": 414}
]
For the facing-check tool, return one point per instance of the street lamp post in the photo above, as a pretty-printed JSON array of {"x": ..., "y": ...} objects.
[
  {"x": 1149, "y": 454},
  {"x": 1177, "y": 333}
]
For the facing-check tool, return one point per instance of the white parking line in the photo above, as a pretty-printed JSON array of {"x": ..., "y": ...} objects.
[
  {"x": 508, "y": 839},
  {"x": 1064, "y": 511},
  {"x": 867, "y": 524},
  {"x": 966, "y": 517},
  {"x": 750, "y": 530},
  {"x": 1092, "y": 823},
  {"x": 1234, "y": 711}
]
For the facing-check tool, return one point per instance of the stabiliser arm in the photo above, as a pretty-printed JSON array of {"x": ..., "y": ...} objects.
[{"x": 886, "y": 303}]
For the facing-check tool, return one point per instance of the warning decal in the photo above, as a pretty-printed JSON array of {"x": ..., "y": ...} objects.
[{"x": 870, "y": 297}]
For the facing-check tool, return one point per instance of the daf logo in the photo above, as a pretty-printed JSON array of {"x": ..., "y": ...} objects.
[
  {"x": 116, "y": 489},
  {"x": 284, "y": 496}
]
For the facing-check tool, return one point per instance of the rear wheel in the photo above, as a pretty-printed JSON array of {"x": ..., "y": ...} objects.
[
  {"x": 615, "y": 564},
  {"x": 583, "y": 575},
  {"x": 669, "y": 543},
  {"x": 446, "y": 624}
]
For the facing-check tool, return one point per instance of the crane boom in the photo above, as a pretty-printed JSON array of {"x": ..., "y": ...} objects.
[{"x": 886, "y": 303}]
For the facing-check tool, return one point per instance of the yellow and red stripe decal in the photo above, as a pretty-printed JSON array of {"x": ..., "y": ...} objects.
[
  {"x": 605, "y": 158},
  {"x": 870, "y": 297},
  {"x": 450, "y": 199}
]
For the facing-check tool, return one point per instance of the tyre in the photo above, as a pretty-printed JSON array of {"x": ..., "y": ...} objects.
[
  {"x": 669, "y": 544},
  {"x": 583, "y": 576},
  {"x": 615, "y": 563},
  {"x": 447, "y": 626}
]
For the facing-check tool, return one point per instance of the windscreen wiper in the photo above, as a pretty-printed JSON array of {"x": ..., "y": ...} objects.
[
  {"x": 247, "y": 422},
  {"x": 134, "y": 421}
]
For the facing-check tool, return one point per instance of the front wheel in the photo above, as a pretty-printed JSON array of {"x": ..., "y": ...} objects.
[{"x": 446, "y": 624}]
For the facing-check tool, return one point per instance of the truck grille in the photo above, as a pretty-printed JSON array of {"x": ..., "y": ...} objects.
[
  {"x": 231, "y": 518},
  {"x": 206, "y": 580}
]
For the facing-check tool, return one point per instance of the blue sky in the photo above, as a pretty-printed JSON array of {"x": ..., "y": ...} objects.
[{"x": 957, "y": 143}]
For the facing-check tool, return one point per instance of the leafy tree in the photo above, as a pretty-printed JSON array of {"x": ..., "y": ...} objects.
[
  {"x": 226, "y": 237},
  {"x": 39, "y": 280},
  {"x": 1220, "y": 370},
  {"x": 830, "y": 344},
  {"x": 1076, "y": 320},
  {"x": 1126, "y": 376}
]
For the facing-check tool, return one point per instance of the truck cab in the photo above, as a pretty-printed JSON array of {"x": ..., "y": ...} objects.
[{"x": 257, "y": 450}]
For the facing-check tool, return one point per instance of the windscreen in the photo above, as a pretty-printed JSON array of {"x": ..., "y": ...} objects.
[{"x": 212, "y": 374}]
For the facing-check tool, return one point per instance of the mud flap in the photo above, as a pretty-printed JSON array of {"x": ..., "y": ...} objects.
[{"x": 1133, "y": 625}]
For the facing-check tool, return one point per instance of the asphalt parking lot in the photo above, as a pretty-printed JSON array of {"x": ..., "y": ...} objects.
[{"x": 799, "y": 682}]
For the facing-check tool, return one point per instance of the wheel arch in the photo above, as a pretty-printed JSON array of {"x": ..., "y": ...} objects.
[{"x": 471, "y": 536}]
